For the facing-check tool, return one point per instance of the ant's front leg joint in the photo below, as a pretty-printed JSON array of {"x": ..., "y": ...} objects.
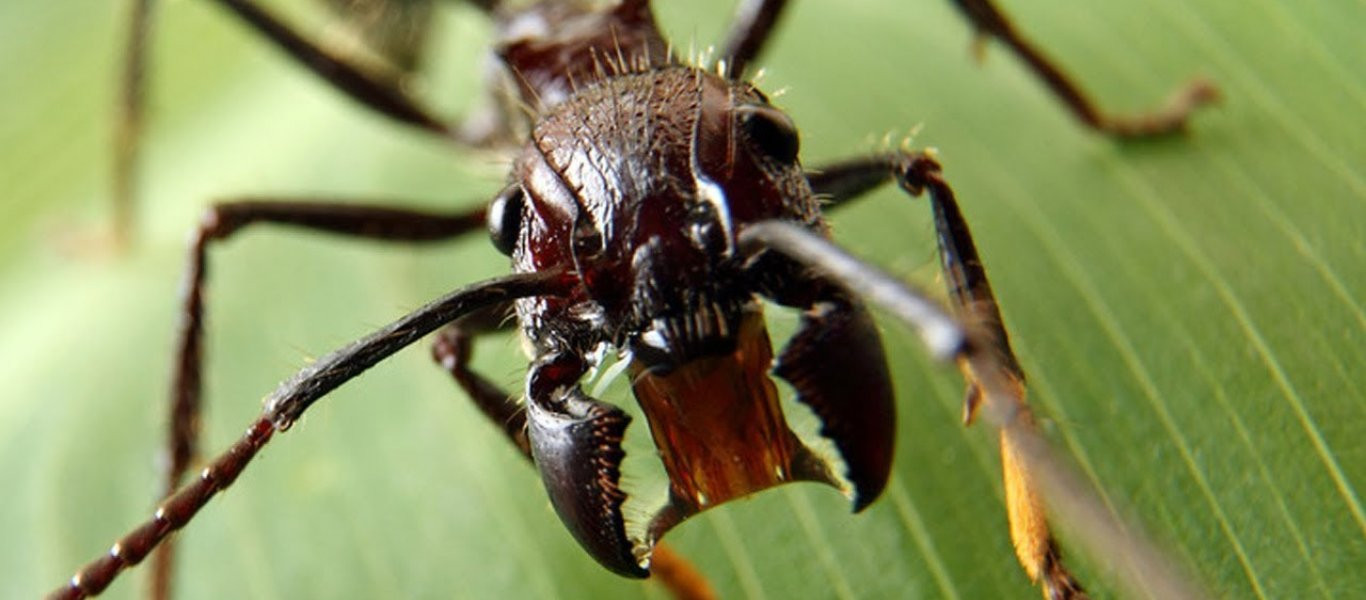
[{"x": 916, "y": 170}]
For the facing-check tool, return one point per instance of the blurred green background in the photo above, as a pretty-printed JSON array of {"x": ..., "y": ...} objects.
[{"x": 1191, "y": 311}]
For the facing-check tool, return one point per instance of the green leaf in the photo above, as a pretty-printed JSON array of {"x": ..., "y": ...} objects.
[{"x": 1190, "y": 311}]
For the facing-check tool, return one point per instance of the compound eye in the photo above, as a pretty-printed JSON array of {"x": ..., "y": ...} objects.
[
  {"x": 505, "y": 218},
  {"x": 770, "y": 131}
]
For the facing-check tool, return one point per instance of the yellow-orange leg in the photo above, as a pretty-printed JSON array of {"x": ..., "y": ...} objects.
[{"x": 975, "y": 305}]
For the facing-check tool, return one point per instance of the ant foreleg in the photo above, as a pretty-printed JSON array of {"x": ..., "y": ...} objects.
[
  {"x": 451, "y": 350},
  {"x": 753, "y": 24},
  {"x": 967, "y": 280},
  {"x": 975, "y": 304},
  {"x": 995, "y": 379},
  {"x": 989, "y": 21},
  {"x": 222, "y": 221},
  {"x": 973, "y": 301},
  {"x": 287, "y": 404},
  {"x": 1042, "y": 470}
]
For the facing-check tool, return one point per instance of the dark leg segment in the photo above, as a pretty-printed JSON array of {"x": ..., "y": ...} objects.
[
  {"x": 396, "y": 31},
  {"x": 289, "y": 401},
  {"x": 222, "y": 221},
  {"x": 452, "y": 350},
  {"x": 380, "y": 94},
  {"x": 749, "y": 32},
  {"x": 989, "y": 21},
  {"x": 988, "y": 345},
  {"x": 966, "y": 278},
  {"x": 128, "y": 123}
]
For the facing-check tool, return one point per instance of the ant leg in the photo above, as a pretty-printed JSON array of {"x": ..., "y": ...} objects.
[
  {"x": 220, "y": 222},
  {"x": 395, "y": 31},
  {"x": 989, "y": 21},
  {"x": 974, "y": 304},
  {"x": 452, "y": 351},
  {"x": 1032, "y": 468},
  {"x": 1024, "y": 451},
  {"x": 376, "y": 92},
  {"x": 289, "y": 402},
  {"x": 749, "y": 32},
  {"x": 129, "y": 119},
  {"x": 969, "y": 288}
]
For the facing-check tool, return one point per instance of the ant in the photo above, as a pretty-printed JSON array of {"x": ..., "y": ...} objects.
[{"x": 651, "y": 205}]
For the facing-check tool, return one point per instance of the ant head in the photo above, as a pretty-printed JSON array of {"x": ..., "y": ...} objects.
[{"x": 642, "y": 184}]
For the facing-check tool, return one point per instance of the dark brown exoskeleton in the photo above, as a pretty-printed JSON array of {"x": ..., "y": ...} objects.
[{"x": 651, "y": 206}]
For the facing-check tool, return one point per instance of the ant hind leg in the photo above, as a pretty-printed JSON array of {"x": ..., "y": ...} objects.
[
  {"x": 380, "y": 94},
  {"x": 1171, "y": 117}
]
